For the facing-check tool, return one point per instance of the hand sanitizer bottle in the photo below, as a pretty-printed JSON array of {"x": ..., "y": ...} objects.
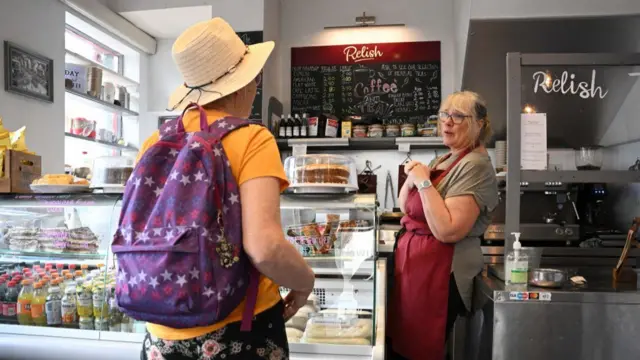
[{"x": 517, "y": 264}]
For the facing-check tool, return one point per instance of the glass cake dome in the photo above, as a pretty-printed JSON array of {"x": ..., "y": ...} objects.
[{"x": 321, "y": 173}]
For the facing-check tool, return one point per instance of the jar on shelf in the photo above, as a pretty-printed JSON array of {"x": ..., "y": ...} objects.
[
  {"x": 408, "y": 130},
  {"x": 392, "y": 130},
  {"x": 360, "y": 131},
  {"x": 375, "y": 131}
]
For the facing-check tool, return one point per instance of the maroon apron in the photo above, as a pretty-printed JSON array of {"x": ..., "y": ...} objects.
[{"x": 422, "y": 267}]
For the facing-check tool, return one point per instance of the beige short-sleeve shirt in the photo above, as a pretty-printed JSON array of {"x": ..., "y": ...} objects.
[{"x": 473, "y": 175}]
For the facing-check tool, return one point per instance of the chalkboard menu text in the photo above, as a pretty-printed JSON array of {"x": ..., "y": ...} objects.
[{"x": 390, "y": 81}]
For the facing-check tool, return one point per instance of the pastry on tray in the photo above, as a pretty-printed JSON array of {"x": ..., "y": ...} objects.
[
  {"x": 60, "y": 179},
  {"x": 82, "y": 240},
  {"x": 53, "y": 240}
]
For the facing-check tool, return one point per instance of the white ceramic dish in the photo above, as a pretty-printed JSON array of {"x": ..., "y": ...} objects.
[
  {"x": 313, "y": 188},
  {"x": 60, "y": 189}
]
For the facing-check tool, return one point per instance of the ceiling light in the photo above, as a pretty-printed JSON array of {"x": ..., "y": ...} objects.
[{"x": 361, "y": 22}]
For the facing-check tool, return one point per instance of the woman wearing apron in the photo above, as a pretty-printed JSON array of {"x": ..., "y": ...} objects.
[{"x": 446, "y": 206}]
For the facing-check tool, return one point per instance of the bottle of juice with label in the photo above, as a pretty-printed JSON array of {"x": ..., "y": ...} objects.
[
  {"x": 115, "y": 317},
  {"x": 69, "y": 308},
  {"x": 9, "y": 307},
  {"x": 85, "y": 269},
  {"x": 38, "y": 315},
  {"x": 100, "y": 306},
  {"x": 53, "y": 306},
  {"x": 85, "y": 300},
  {"x": 24, "y": 303}
]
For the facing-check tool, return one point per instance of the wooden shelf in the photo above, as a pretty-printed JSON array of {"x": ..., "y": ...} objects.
[
  {"x": 100, "y": 142},
  {"x": 103, "y": 104}
]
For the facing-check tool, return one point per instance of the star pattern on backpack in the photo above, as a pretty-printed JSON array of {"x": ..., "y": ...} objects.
[{"x": 168, "y": 210}]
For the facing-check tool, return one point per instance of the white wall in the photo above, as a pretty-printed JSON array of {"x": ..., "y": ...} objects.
[
  {"x": 304, "y": 21},
  {"x": 37, "y": 26},
  {"x": 461, "y": 17},
  {"x": 494, "y": 9},
  {"x": 243, "y": 15}
]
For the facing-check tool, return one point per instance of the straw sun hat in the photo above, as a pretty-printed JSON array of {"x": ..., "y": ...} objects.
[{"x": 214, "y": 62}]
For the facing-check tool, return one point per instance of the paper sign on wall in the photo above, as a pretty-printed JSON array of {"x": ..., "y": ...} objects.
[{"x": 533, "y": 154}]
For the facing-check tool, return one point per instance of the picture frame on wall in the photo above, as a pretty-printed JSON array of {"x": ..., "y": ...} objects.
[
  {"x": 27, "y": 73},
  {"x": 166, "y": 118}
]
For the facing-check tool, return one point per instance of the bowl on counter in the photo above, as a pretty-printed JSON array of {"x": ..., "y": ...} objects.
[{"x": 547, "y": 278}]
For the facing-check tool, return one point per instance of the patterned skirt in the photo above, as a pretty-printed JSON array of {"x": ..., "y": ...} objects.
[{"x": 266, "y": 340}]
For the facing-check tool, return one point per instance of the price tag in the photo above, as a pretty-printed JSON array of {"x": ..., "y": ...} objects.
[
  {"x": 299, "y": 149},
  {"x": 404, "y": 147},
  {"x": 545, "y": 296}
]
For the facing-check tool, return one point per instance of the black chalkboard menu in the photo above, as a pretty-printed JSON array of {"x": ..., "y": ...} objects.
[
  {"x": 390, "y": 81},
  {"x": 250, "y": 38}
]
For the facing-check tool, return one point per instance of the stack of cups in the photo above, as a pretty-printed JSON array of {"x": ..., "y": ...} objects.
[
  {"x": 501, "y": 156},
  {"x": 95, "y": 82}
]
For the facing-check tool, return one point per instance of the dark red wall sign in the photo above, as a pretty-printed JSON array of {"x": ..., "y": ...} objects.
[
  {"x": 390, "y": 81},
  {"x": 423, "y": 51}
]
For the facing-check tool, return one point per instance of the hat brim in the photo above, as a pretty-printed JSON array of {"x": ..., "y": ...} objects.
[{"x": 248, "y": 69}]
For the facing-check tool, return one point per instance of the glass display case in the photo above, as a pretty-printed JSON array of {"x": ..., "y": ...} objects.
[
  {"x": 337, "y": 236},
  {"x": 44, "y": 238},
  {"x": 56, "y": 271}
]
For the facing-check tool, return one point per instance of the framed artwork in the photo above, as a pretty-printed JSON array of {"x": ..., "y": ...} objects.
[
  {"x": 27, "y": 73},
  {"x": 164, "y": 119}
]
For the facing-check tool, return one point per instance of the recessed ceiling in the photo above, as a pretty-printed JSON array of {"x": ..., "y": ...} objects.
[{"x": 167, "y": 23}]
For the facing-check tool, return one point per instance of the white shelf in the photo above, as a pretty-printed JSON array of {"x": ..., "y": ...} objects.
[
  {"x": 93, "y": 101},
  {"x": 122, "y": 337},
  {"x": 50, "y": 331},
  {"x": 107, "y": 74}
]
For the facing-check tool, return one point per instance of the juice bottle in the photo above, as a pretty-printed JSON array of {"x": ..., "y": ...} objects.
[
  {"x": 24, "y": 303},
  {"x": 59, "y": 267},
  {"x": 100, "y": 306},
  {"x": 85, "y": 269},
  {"x": 85, "y": 300},
  {"x": 38, "y": 315},
  {"x": 53, "y": 306},
  {"x": 115, "y": 316},
  {"x": 69, "y": 308},
  {"x": 9, "y": 307},
  {"x": 72, "y": 268}
]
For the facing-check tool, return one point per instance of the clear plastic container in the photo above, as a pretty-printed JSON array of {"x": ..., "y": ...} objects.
[
  {"x": 321, "y": 171},
  {"x": 338, "y": 329},
  {"x": 111, "y": 171},
  {"x": 589, "y": 158}
]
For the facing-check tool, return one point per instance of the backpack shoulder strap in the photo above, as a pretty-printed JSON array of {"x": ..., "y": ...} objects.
[{"x": 221, "y": 128}]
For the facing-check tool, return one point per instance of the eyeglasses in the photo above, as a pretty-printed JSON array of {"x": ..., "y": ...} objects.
[{"x": 457, "y": 118}]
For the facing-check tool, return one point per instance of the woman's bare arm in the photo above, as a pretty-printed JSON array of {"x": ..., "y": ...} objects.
[
  {"x": 264, "y": 240},
  {"x": 450, "y": 219}
]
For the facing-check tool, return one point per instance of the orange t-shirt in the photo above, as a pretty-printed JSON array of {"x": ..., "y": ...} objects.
[{"x": 252, "y": 152}]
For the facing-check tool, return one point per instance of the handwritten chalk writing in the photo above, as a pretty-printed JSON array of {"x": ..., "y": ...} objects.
[
  {"x": 364, "y": 54},
  {"x": 560, "y": 85},
  {"x": 376, "y": 86}
]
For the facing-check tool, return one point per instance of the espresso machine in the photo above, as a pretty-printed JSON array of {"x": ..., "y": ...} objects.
[{"x": 548, "y": 213}]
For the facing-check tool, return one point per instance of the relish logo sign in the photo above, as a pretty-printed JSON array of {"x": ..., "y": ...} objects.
[
  {"x": 567, "y": 84},
  {"x": 353, "y": 54}
]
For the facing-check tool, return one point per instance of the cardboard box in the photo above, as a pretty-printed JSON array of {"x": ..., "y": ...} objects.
[{"x": 20, "y": 170}]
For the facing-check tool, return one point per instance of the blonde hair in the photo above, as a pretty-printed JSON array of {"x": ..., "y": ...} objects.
[{"x": 470, "y": 103}]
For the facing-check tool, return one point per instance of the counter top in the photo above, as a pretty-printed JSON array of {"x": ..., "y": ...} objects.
[{"x": 598, "y": 289}]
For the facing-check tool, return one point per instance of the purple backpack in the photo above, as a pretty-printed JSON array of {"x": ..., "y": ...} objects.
[{"x": 178, "y": 245}]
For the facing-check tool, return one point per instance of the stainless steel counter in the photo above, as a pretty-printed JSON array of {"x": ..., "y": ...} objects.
[{"x": 592, "y": 322}]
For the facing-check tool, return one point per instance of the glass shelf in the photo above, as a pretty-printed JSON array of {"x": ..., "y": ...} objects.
[{"x": 51, "y": 255}]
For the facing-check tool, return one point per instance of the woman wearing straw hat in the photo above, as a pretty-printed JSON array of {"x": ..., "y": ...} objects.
[{"x": 221, "y": 74}]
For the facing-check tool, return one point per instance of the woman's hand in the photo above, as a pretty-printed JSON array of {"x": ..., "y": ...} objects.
[{"x": 417, "y": 172}]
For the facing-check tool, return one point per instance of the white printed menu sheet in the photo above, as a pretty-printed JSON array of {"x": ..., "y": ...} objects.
[{"x": 533, "y": 149}]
